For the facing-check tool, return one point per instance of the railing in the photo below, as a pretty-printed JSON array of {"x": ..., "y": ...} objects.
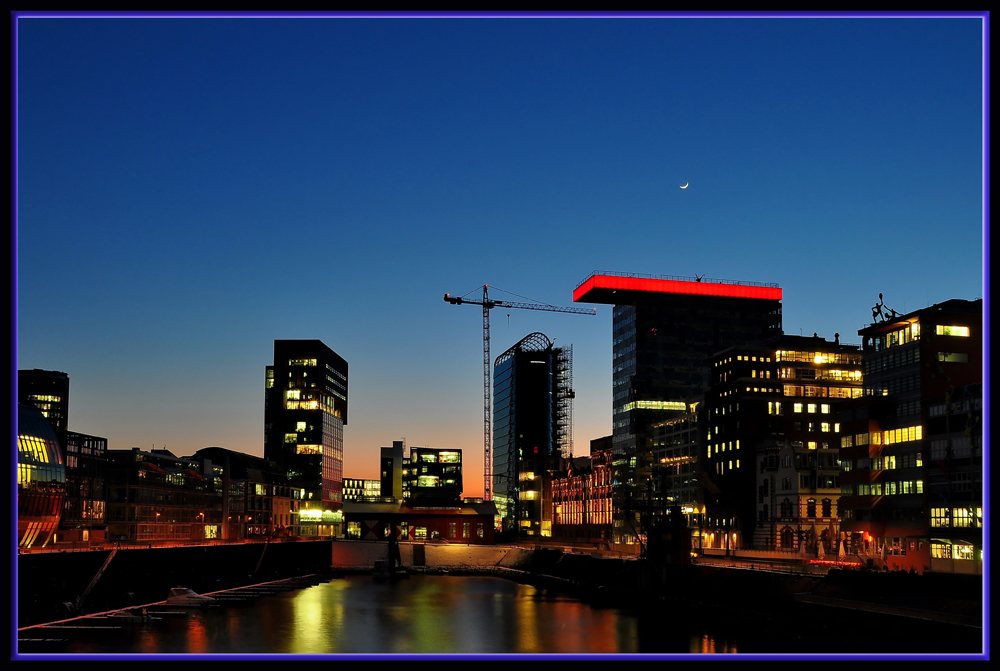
[{"x": 678, "y": 278}]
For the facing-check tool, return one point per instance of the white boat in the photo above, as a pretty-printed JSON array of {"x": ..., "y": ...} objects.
[{"x": 184, "y": 596}]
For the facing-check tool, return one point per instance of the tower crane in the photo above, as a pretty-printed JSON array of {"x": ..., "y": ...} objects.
[{"x": 488, "y": 304}]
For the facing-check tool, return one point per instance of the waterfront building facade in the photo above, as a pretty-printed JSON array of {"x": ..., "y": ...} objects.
[
  {"x": 776, "y": 404},
  {"x": 305, "y": 411},
  {"x": 416, "y": 521},
  {"x": 84, "y": 517},
  {"x": 254, "y": 494},
  {"x": 664, "y": 331},
  {"x": 911, "y": 450},
  {"x": 532, "y": 429},
  {"x": 41, "y": 478},
  {"x": 674, "y": 483},
  {"x": 157, "y": 496},
  {"x": 582, "y": 496},
  {"x": 362, "y": 490}
]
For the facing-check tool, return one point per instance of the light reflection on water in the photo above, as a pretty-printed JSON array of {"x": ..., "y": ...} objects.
[{"x": 425, "y": 614}]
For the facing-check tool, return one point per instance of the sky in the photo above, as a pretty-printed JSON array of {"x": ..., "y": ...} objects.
[{"x": 191, "y": 189}]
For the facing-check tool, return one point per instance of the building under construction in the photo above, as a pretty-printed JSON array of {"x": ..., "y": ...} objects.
[{"x": 532, "y": 428}]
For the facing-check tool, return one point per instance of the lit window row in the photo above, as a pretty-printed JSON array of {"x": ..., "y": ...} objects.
[
  {"x": 957, "y": 517},
  {"x": 44, "y": 397},
  {"x": 655, "y": 405},
  {"x": 824, "y": 408},
  {"x": 817, "y": 357},
  {"x": 960, "y": 331},
  {"x": 906, "y": 435}
]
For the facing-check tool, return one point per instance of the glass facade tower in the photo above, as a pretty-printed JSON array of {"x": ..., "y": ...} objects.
[
  {"x": 532, "y": 426},
  {"x": 664, "y": 330}
]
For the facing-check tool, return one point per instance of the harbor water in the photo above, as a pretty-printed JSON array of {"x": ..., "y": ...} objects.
[{"x": 440, "y": 614}]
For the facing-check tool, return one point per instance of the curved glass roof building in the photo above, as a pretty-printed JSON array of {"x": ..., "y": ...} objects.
[{"x": 41, "y": 478}]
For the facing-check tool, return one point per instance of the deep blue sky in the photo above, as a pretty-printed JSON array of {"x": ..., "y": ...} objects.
[{"x": 192, "y": 189}]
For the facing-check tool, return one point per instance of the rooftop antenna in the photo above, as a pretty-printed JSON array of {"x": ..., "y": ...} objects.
[{"x": 698, "y": 278}]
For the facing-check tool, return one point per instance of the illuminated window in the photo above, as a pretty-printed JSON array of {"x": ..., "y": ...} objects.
[
  {"x": 941, "y": 550},
  {"x": 300, "y": 426},
  {"x": 811, "y": 444},
  {"x": 824, "y": 408},
  {"x": 811, "y": 408},
  {"x": 961, "y": 517},
  {"x": 953, "y": 357},
  {"x": 291, "y": 437},
  {"x": 961, "y": 331},
  {"x": 824, "y": 427},
  {"x": 797, "y": 407}
]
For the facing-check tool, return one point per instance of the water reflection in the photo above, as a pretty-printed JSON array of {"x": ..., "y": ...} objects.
[{"x": 425, "y": 614}]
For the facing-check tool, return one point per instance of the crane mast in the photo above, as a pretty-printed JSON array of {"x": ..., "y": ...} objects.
[{"x": 488, "y": 304}]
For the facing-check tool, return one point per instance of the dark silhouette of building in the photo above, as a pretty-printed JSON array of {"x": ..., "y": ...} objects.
[
  {"x": 393, "y": 481},
  {"x": 256, "y": 502},
  {"x": 664, "y": 331},
  {"x": 84, "y": 518},
  {"x": 911, "y": 448},
  {"x": 47, "y": 390},
  {"x": 41, "y": 478},
  {"x": 462, "y": 522},
  {"x": 156, "y": 496},
  {"x": 532, "y": 429},
  {"x": 305, "y": 411}
]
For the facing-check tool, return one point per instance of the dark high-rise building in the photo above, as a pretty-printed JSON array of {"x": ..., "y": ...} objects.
[
  {"x": 664, "y": 330},
  {"x": 532, "y": 428},
  {"x": 392, "y": 482},
  {"x": 305, "y": 411},
  {"x": 911, "y": 448},
  {"x": 47, "y": 390}
]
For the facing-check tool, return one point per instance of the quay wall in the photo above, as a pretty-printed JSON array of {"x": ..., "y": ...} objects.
[
  {"x": 363, "y": 554},
  {"x": 47, "y": 582}
]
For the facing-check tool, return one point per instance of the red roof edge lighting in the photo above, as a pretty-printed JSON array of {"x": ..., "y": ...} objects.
[{"x": 615, "y": 283}]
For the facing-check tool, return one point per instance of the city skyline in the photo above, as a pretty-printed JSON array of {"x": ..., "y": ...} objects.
[{"x": 177, "y": 181}]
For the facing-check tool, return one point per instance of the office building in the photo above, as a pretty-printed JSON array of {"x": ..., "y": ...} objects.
[
  {"x": 664, "y": 331},
  {"x": 674, "y": 481},
  {"x": 911, "y": 448},
  {"x": 84, "y": 517},
  {"x": 253, "y": 494},
  {"x": 305, "y": 411},
  {"x": 356, "y": 489},
  {"x": 775, "y": 407},
  {"x": 157, "y": 496},
  {"x": 532, "y": 429},
  {"x": 41, "y": 478},
  {"x": 47, "y": 390},
  {"x": 434, "y": 474}
]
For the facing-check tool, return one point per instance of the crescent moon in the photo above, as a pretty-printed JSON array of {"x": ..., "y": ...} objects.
[{"x": 686, "y": 185}]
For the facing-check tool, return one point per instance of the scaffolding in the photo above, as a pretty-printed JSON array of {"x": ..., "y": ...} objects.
[{"x": 564, "y": 393}]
